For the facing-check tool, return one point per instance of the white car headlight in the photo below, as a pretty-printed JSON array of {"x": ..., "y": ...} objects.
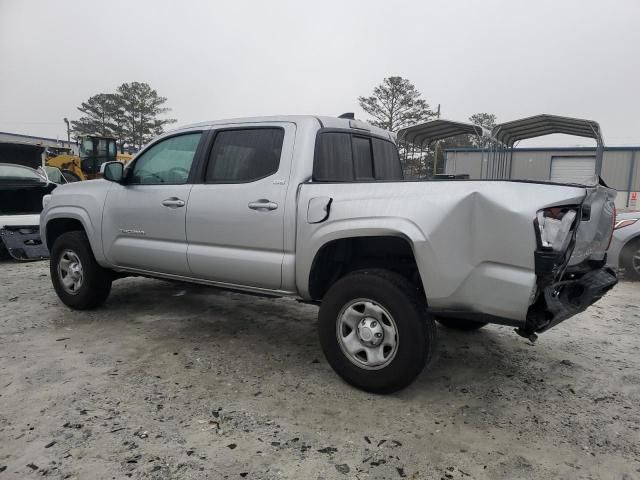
[
  {"x": 45, "y": 200},
  {"x": 625, "y": 223}
]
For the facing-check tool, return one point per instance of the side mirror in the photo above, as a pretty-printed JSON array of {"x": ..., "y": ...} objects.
[{"x": 112, "y": 171}]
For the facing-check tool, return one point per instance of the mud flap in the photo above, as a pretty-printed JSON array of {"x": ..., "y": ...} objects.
[{"x": 23, "y": 242}]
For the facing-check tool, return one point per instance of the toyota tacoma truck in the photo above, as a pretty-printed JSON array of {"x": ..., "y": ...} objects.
[{"x": 318, "y": 208}]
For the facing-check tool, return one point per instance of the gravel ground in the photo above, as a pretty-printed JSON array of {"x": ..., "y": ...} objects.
[{"x": 177, "y": 381}]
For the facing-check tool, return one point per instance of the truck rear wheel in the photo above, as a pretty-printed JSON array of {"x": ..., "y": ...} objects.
[
  {"x": 76, "y": 276},
  {"x": 461, "y": 324},
  {"x": 375, "y": 330}
]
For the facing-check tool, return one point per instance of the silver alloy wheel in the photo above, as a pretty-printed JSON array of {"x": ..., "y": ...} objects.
[
  {"x": 70, "y": 272},
  {"x": 367, "y": 334}
]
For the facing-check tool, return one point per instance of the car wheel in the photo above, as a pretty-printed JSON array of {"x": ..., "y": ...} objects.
[
  {"x": 77, "y": 278},
  {"x": 375, "y": 330},
  {"x": 4, "y": 254},
  {"x": 630, "y": 260},
  {"x": 461, "y": 324}
]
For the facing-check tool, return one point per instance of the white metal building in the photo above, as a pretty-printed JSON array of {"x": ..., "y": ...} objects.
[
  {"x": 19, "y": 138},
  {"x": 620, "y": 167}
]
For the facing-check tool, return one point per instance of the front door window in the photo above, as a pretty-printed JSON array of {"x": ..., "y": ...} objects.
[{"x": 168, "y": 162}]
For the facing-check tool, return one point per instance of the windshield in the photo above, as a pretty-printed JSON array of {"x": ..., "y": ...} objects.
[
  {"x": 12, "y": 173},
  {"x": 86, "y": 148},
  {"x": 94, "y": 151},
  {"x": 54, "y": 174}
]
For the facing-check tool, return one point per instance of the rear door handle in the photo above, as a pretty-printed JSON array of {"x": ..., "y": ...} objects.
[
  {"x": 173, "y": 202},
  {"x": 263, "y": 204}
]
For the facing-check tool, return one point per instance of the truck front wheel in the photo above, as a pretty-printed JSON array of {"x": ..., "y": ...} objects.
[
  {"x": 375, "y": 330},
  {"x": 77, "y": 278}
]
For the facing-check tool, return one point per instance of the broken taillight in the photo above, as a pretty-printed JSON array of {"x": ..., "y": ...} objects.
[
  {"x": 554, "y": 226},
  {"x": 613, "y": 225}
]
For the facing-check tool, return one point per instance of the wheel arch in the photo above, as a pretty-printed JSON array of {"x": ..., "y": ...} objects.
[
  {"x": 59, "y": 221},
  {"x": 59, "y": 226},
  {"x": 337, "y": 256},
  {"x": 632, "y": 239}
]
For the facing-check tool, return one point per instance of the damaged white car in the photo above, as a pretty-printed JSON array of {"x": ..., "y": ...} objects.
[
  {"x": 319, "y": 208},
  {"x": 21, "y": 192}
]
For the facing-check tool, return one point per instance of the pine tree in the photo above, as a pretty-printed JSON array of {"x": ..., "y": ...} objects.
[
  {"x": 97, "y": 111},
  {"x": 141, "y": 105},
  {"x": 395, "y": 104},
  {"x": 131, "y": 115}
]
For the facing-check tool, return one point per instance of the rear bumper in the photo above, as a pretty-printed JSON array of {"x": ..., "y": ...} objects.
[
  {"x": 566, "y": 298},
  {"x": 23, "y": 242},
  {"x": 19, "y": 220}
]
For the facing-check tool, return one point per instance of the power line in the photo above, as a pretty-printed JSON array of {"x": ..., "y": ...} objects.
[{"x": 29, "y": 123}]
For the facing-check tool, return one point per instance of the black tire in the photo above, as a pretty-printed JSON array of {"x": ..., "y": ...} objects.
[
  {"x": 96, "y": 280},
  {"x": 461, "y": 324},
  {"x": 4, "y": 254},
  {"x": 630, "y": 250},
  {"x": 416, "y": 332}
]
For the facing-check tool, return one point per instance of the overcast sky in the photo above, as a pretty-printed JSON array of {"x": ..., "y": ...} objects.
[{"x": 237, "y": 58}]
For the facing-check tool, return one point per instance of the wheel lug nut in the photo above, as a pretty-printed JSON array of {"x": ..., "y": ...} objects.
[
  {"x": 378, "y": 335},
  {"x": 374, "y": 323}
]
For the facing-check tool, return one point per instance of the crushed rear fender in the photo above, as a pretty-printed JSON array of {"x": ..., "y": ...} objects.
[{"x": 569, "y": 282}]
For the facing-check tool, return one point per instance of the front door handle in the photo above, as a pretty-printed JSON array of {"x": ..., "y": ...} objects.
[
  {"x": 173, "y": 202},
  {"x": 263, "y": 204}
]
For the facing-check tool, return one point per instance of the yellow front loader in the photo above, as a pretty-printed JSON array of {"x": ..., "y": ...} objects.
[{"x": 94, "y": 150}]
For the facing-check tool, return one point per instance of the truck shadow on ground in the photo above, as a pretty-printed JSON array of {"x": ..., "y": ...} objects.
[{"x": 183, "y": 316}]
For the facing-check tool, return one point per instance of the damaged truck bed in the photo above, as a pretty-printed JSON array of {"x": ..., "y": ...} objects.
[{"x": 571, "y": 236}]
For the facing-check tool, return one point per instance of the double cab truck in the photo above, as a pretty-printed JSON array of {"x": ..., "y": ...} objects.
[{"x": 318, "y": 208}]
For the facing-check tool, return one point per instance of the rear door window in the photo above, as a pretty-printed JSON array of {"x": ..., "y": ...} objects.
[
  {"x": 244, "y": 155},
  {"x": 346, "y": 157}
]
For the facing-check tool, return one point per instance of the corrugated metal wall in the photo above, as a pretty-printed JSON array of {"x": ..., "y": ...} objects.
[
  {"x": 535, "y": 164},
  {"x": 6, "y": 137}
]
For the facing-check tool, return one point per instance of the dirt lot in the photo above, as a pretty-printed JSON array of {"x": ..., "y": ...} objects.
[{"x": 175, "y": 381}]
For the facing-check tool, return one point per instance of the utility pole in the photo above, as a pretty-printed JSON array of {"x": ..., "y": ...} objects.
[
  {"x": 66, "y": 120},
  {"x": 435, "y": 155}
]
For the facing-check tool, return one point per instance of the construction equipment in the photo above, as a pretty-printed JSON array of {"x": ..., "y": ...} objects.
[
  {"x": 124, "y": 157},
  {"x": 93, "y": 151}
]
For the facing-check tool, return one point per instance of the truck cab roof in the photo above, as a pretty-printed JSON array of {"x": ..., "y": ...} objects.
[{"x": 311, "y": 120}]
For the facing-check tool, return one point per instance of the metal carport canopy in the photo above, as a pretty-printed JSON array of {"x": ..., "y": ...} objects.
[
  {"x": 539, "y": 125},
  {"x": 437, "y": 130}
]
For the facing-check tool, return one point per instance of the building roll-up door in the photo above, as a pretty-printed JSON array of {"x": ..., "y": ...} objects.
[{"x": 572, "y": 169}]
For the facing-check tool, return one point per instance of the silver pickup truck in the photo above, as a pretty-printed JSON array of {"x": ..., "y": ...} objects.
[{"x": 318, "y": 208}]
